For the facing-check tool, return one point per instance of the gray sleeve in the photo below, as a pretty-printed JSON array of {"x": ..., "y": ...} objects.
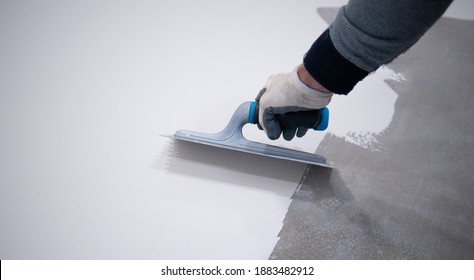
[{"x": 370, "y": 33}]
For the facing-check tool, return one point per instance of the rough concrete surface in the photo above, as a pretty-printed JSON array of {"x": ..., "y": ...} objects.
[{"x": 412, "y": 197}]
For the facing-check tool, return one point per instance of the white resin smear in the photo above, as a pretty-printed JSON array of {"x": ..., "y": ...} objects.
[{"x": 367, "y": 111}]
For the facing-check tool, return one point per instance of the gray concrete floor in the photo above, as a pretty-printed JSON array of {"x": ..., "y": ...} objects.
[{"x": 413, "y": 199}]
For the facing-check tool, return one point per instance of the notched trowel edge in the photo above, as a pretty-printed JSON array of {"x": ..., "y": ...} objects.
[{"x": 231, "y": 138}]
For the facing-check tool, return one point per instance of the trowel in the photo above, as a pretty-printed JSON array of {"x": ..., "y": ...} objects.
[{"x": 231, "y": 137}]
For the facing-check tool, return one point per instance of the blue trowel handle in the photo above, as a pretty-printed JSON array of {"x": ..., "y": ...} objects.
[{"x": 321, "y": 116}]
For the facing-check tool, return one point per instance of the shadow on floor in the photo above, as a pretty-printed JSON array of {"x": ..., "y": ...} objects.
[{"x": 230, "y": 167}]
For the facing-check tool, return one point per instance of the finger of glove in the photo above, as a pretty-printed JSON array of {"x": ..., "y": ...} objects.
[
  {"x": 289, "y": 133},
  {"x": 301, "y": 132},
  {"x": 296, "y": 117},
  {"x": 271, "y": 124}
]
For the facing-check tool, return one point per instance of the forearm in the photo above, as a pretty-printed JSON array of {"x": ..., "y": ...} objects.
[{"x": 367, "y": 34}]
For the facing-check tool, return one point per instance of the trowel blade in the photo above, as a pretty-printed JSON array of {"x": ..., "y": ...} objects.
[
  {"x": 251, "y": 147},
  {"x": 231, "y": 137}
]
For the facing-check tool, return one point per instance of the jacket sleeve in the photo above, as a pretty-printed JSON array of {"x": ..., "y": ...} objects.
[{"x": 367, "y": 34}]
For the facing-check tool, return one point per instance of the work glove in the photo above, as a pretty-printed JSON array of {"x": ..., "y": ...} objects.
[{"x": 288, "y": 106}]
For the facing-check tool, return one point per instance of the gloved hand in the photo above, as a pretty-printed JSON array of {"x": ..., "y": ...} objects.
[{"x": 287, "y": 105}]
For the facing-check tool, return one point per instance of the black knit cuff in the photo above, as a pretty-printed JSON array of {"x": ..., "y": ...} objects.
[{"x": 330, "y": 68}]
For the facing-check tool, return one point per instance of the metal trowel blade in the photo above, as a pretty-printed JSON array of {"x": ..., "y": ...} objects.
[{"x": 231, "y": 137}]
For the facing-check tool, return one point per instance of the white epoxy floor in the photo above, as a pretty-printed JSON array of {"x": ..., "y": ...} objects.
[{"x": 87, "y": 88}]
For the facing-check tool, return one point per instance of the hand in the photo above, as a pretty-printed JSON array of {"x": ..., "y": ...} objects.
[{"x": 288, "y": 102}]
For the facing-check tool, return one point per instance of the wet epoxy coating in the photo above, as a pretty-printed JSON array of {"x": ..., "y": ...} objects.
[{"x": 88, "y": 87}]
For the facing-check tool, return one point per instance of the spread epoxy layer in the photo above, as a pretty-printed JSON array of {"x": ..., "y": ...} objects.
[{"x": 88, "y": 87}]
